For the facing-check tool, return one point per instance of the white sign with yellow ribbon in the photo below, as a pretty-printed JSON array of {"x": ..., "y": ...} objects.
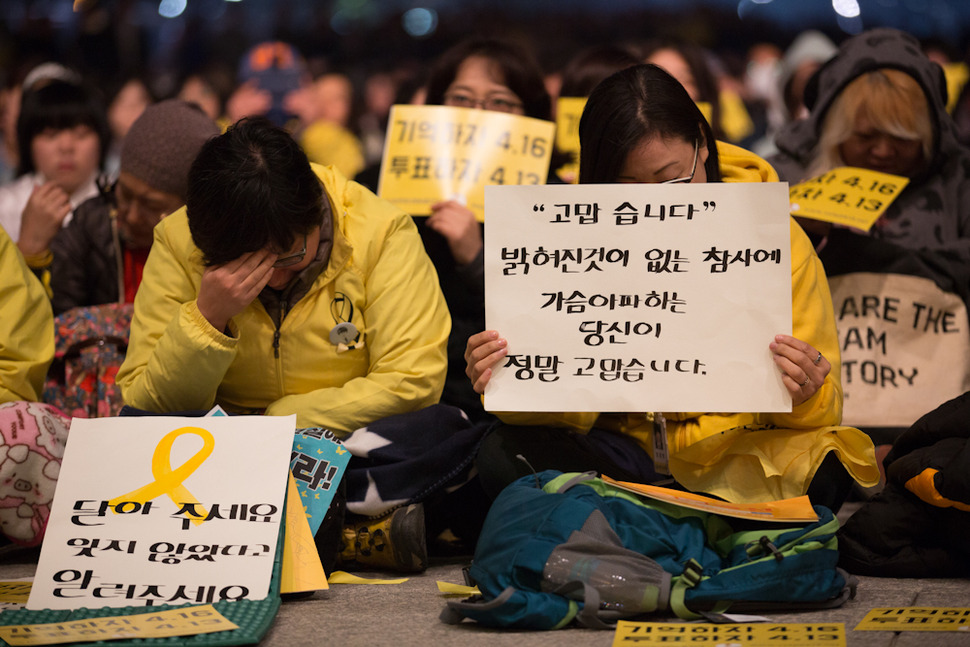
[
  {"x": 165, "y": 510},
  {"x": 435, "y": 153}
]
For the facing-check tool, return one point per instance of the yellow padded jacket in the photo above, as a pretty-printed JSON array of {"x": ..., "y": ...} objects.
[
  {"x": 26, "y": 328},
  {"x": 177, "y": 361}
]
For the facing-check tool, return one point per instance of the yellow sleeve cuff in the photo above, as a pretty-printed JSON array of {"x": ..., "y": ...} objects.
[
  {"x": 39, "y": 261},
  {"x": 924, "y": 486}
]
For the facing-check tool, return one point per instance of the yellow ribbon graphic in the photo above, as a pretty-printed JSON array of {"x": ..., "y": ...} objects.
[{"x": 169, "y": 481}]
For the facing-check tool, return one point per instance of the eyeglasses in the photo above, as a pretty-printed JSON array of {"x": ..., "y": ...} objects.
[
  {"x": 683, "y": 180},
  {"x": 292, "y": 259},
  {"x": 149, "y": 210},
  {"x": 497, "y": 104}
]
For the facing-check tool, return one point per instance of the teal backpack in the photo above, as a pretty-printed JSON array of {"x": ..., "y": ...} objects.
[{"x": 562, "y": 547}]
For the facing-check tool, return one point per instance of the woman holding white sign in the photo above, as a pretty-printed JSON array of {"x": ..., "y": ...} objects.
[{"x": 641, "y": 126}]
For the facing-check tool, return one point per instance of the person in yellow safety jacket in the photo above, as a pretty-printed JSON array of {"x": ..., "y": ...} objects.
[
  {"x": 26, "y": 328},
  {"x": 740, "y": 457},
  {"x": 283, "y": 288}
]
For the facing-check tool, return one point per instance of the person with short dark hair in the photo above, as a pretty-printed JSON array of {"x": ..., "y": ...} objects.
[
  {"x": 62, "y": 135},
  {"x": 100, "y": 255},
  {"x": 284, "y": 288}
]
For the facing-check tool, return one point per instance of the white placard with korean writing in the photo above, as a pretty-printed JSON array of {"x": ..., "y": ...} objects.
[
  {"x": 637, "y": 297},
  {"x": 165, "y": 510}
]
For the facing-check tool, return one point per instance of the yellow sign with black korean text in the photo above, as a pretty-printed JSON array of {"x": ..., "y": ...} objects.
[
  {"x": 664, "y": 634},
  {"x": 916, "y": 619},
  {"x": 849, "y": 196},
  {"x": 14, "y": 592},
  {"x": 437, "y": 153},
  {"x": 186, "y": 621},
  {"x": 569, "y": 110}
]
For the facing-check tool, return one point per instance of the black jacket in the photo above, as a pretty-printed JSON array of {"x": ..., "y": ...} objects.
[
  {"x": 87, "y": 256},
  {"x": 919, "y": 524}
]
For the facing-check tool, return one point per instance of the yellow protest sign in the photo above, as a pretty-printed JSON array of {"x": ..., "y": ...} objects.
[
  {"x": 706, "y": 109},
  {"x": 646, "y": 634},
  {"x": 568, "y": 112},
  {"x": 916, "y": 619},
  {"x": 186, "y": 621},
  {"x": 435, "y": 153},
  {"x": 850, "y": 196},
  {"x": 14, "y": 592},
  {"x": 301, "y": 568}
]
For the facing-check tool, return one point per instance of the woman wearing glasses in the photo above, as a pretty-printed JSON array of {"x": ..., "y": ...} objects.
[
  {"x": 481, "y": 74},
  {"x": 640, "y": 126}
]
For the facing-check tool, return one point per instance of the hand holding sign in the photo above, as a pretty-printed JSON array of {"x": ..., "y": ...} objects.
[
  {"x": 803, "y": 367},
  {"x": 459, "y": 227},
  {"x": 482, "y": 352}
]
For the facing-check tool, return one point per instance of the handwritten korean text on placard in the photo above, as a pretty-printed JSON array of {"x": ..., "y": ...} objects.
[
  {"x": 187, "y": 510},
  {"x": 638, "y": 297}
]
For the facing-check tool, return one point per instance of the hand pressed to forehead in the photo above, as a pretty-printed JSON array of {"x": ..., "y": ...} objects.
[{"x": 226, "y": 290}]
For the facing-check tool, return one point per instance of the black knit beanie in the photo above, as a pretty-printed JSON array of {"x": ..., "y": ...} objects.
[{"x": 163, "y": 142}]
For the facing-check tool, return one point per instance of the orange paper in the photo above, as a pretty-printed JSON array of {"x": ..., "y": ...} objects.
[{"x": 796, "y": 509}]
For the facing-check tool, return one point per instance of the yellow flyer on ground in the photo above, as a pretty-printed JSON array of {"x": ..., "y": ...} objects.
[
  {"x": 568, "y": 112},
  {"x": 646, "y": 634},
  {"x": 850, "y": 196},
  {"x": 14, "y": 592},
  {"x": 186, "y": 621},
  {"x": 435, "y": 153},
  {"x": 796, "y": 509},
  {"x": 916, "y": 619}
]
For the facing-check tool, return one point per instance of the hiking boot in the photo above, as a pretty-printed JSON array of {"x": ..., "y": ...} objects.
[{"x": 394, "y": 542}]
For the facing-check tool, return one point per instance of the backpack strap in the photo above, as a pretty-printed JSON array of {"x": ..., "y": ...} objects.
[
  {"x": 456, "y": 611},
  {"x": 588, "y": 616},
  {"x": 692, "y": 575},
  {"x": 452, "y": 615},
  {"x": 582, "y": 477}
]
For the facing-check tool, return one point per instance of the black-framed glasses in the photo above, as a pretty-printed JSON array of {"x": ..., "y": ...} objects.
[
  {"x": 497, "y": 104},
  {"x": 292, "y": 259},
  {"x": 693, "y": 169}
]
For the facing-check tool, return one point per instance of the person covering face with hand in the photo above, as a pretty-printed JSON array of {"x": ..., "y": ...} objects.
[{"x": 284, "y": 288}]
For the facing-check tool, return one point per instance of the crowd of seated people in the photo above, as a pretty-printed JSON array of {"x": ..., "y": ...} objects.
[{"x": 228, "y": 219}]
